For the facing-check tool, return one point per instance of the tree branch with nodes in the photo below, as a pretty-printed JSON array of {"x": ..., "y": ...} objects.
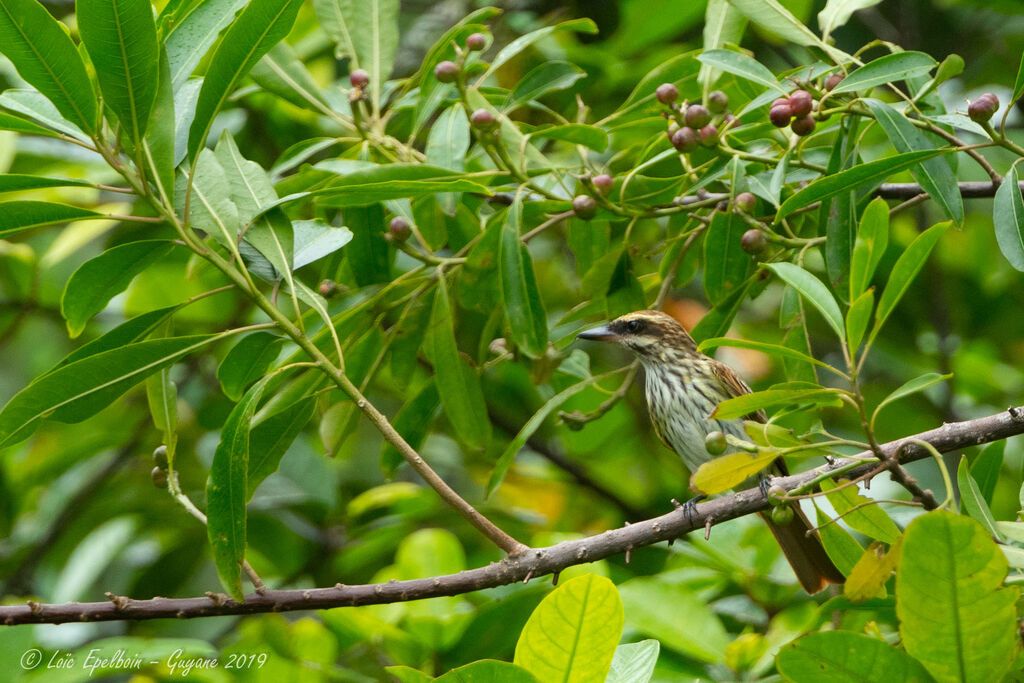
[{"x": 533, "y": 562}]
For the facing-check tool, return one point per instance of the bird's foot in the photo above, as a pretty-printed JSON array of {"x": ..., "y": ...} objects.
[{"x": 689, "y": 508}]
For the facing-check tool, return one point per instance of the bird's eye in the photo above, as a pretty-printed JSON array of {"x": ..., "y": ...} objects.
[{"x": 634, "y": 326}]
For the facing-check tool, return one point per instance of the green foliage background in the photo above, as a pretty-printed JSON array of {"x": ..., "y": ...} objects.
[{"x": 79, "y": 514}]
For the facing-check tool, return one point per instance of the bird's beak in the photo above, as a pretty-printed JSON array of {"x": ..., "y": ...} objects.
[{"x": 602, "y": 333}]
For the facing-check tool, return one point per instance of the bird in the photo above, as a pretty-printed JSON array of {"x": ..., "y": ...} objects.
[{"x": 683, "y": 387}]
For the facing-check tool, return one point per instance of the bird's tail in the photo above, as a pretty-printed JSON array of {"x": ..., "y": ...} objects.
[{"x": 802, "y": 547}]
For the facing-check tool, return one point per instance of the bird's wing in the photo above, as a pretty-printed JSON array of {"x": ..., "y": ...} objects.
[{"x": 735, "y": 386}]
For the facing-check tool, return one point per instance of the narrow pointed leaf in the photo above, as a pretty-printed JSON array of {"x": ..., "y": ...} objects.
[
  {"x": 18, "y": 216},
  {"x": 583, "y": 25},
  {"x": 764, "y": 347},
  {"x": 524, "y": 309},
  {"x": 772, "y": 15},
  {"x": 194, "y": 32},
  {"x": 893, "y": 67},
  {"x": 247, "y": 361},
  {"x": 869, "y": 247},
  {"x": 270, "y": 439},
  {"x": 857, "y": 319},
  {"x": 545, "y": 78},
  {"x": 726, "y": 265},
  {"x": 906, "y": 269},
  {"x": 912, "y": 387},
  {"x": 838, "y": 12},
  {"x": 773, "y": 398},
  {"x": 971, "y": 500},
  {"x": 741, "y": 65},
  {"x": 812, "y": 289},
  {"x": 1008, "y": 217},
  {"x": 723, "y": 24}
]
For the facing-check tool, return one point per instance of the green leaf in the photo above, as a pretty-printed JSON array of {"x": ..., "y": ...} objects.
[
  {"x": 869, "y": 576},
  {"x": 576, "y": 133},
  {"x": 194, "y": 32},
  {"x": 458, "y": 385},
  {"x": 812, "y": 289},
  {"x": 227, "y": 492},
  {"x": 20, "y": 125},
  {"x": 315, "y": 239},
  {"x": 413, "y": 423},
  {"x": 838, "y": 12},
  {"x": 741, "y": 65},
  {"x": 772, "y": 398},
  {"x": 529, "y": 429},
  {"x": 986, "y": 468},
  {"x": 841, "y": 547},
  {"x": 726, "y": 265},
  {"x": 393, "y": 181},
  {"x": 677, "y": 616},
  {"x": 726, "y": 471},
  {"x": 764, "y": 347},
  {"x": 1018, "y": 83},
  {"x": 524, "y": 309},
  {"x": 886, "y": 69},
  {"x": 634, "y": 662},
  {"x": 337, "y": 18},
  {"x": 681, "y": 70},
  {"x": 722, "y": 24},
  {"x": 211, "y": 208},
  {"x": 1008, "y": 218},
  {"x": 869, "y": 248},
  {"x": 862, "y": 174},
  {"x": 857, "y": 319},
  {"x": 16, "y": 182},
  {"x": 79, "y": 390},
  {"x": 971, "y": 500},
  {"x": 487, "y": 671},
  {"x": 585, "y": 612},
  {"x": 18, "y": 216},
  {"x": 158, "y": 145},
  {"x": 955, "y": 616},
  {"x": 99, "y": 279},
  {"x": 912, "y": 387},
  {"x": 583, "y": 25},
  {"x": 934, "y": 175},
  {"x": 121, "y": 40},
  {"x": 870, "y": 520},
  {"x": 282, "y": 73},
  {"x": 368, "y": 254},
  {"x": 771, "y": 15},
  {"x": 903, "y": 273},
  {"x": 543, "y": 79},
  {"x": 260, "y": 26},
  {"x": 269, "y": 440},
  {"x": 127, "y": 332},
  {"x": 33, "y": 105},
  {"x": 449, "y": 139},
  {"x": 846, "y": 657},
  {"x": 44, "y": 55},
  {"x": 162, "y": 398},
  {"x": 247, "y": 361},
  {"x": 375, "y": 38}
]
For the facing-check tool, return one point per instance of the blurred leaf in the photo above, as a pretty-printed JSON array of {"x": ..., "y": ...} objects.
[
  {"x": 585, "y": 611},
  {"x": 634, "y": 662},
  {"x": 44, "y": 55},
  {"x": 17, "y": 216},
  {"x": 79, "y": 390},
  {"x": 863, "y": 174},
  {"x": 338, "y": 20},
  {"x": 20, "y": 125},
  {"x": 857, "y": 319},
  {"x": 1008, "y": 217},
  {"x": 576, "y": 133},
  {"x": 971, "y": 500},
  {"x": 282, "y": 73},
  {"x": 946, "y": 607},
  {"x": 516, "y": 46},
  {"x": 542, "y": 79},
  {"x": 772, "y": 349},
  {"x": 845, "y": 657},
  {"x": 812, "y": 289},
  {"x": 680, "y": 70},
  {"x": 868, "y": 577},
  {"x": 407, "y": 674},
  {"x": 270, "y": 439},
  {"x": 904, "y": 271},
  {"x": 726, "y": 265},
  {"x": 869, "y": 519},
  {"x": 838, "y": 215},
  {"x": 158, "y": 145},
  {"x": 677, "y": 616},
  {"x": 524, "y": 309},
  {"x": 393, "y": 181},
  {"x": 247, "y": 361},
  {"x": 869, "y": 248},
  {"x": 488, "y": 671},
  {"x": 368, "y": 254},
  {"x": 413, "y": 423},
  {"x": 726, "y": 471},
  {"x": 911, "y": 387},
  {"x": 260, "y": 26},
  {"x": 986, "y": 468},
  {"x": 722, "y": 24},
  {"x": 99, "y": 279},
  {"x": 457, "y": 384},
  {"x": 16, "y": 182},
  {"x": 842, "y": 548},
  {"x": 838, "y": 12},
  {"x": 1018, "y": 83},
  {"x": 741, "y": 65},
  {"x": 33, "y": 105},
  {"x": 771, "y": 15},
  {"x": 886, "y": 69},
  {"x": 121, "y": 40},
  {"x": 934, "y": 175},
  {"x": 227, "y": 489},
  {"x": 127, "y": 332}
]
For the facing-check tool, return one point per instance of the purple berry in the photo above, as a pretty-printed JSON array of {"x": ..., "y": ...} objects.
[
  {"x": 780, "y": 115},
  {"x": 800, "y": 103},
  {"x": 983, "y": 108},
  {"x": 603, "y": 183},
  {"x": 697, "y": 116},
  {"x": 803, "y": 125},
  {"x": 446, "y": 71},
  {"x": 476, "y": 42},
  {"x": 709, "y": 136},
  {"x": 667, "y": 93},
  {"x": 483, "y": 119},
  {"x": 718, "y": 101},
  {"x": 833, "y": 80},
  {"x": 746, "y": 201},
  {"x": 399, "y": 229},
  {"x": 685, "y": 139},
  {"x": 584, "y": 206},
  {"x": 359, "y": 78},
  {"x": 753, "y": 241}
]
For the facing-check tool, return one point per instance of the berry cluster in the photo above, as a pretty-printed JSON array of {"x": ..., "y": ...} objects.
[
  {"x": 793, "y": 111},
  {"x": 693, "y": 125}
]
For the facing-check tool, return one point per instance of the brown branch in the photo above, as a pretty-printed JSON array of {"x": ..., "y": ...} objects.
[
  {"x": 534, "y": 563},
  {"x": 968, "y": 190}
]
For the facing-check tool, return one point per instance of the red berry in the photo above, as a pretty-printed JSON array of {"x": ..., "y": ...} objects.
[
  {"x": 685, "y": 139},
  {"x": 779, "y": 100},
  {"x": 446, "y": 71},
  {"x": 801, "y": 103},
  {"x": 359, "y": 78},
  {"x": 803, "y": 126},
  {"x": 833, "y": 80},
  {"x": 603, "y": 183},
  {"x": 709, "y": 136},
  {"x": 328, "y": 288},
  {"x": 667, "y": 93},
  {"x": 780, "y": 115},
  {"x": 718, "y": 101},
  {"x": 697, "y": 116},
  {"x": 584, "y": 206},
  {"x": 476, "y": 42}
]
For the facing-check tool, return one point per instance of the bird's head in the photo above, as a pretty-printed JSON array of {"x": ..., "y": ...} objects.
[{"x": 652, "y": 335}]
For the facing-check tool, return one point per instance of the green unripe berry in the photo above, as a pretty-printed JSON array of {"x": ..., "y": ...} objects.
[
  {"x": 746, "y": 201},
  {"x": 715, "y": 443},
  {"x": 782, "y": 515},
  {"x": 483, "y": 119},
  {"x": 160, "y": 457},
  {"x": 718, "y": 101},
  {"x": 776, "y": 494}
]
